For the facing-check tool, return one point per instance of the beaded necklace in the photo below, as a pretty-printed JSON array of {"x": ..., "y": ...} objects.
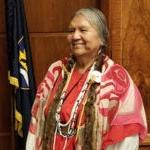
[{"x": 70, "y": 124}]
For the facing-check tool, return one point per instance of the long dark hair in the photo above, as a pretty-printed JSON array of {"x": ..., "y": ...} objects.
[
  {"x": 89, "y": 107},
  {"x": 50, "y": 122}
]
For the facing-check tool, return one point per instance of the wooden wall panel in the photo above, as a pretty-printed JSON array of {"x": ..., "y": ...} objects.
[
  {"x": 115, "y": 9},
  {"x": 52, "y": 15},
  {"x": 5, "y": 102},
  {"x": 130, "y": 43},
  {"x": 47, "y": 48},
  {"x": 105, "y": 8},
  {"x": 5, "y": 142},
  {"x": 2, "y": 16},
  {"x": 145, "y": 148},
  {"x": 136, "y": 44}
]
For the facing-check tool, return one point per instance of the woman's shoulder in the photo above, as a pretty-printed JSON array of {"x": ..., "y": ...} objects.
[
  {"x": 50, "y": 77},
  {"x": 57, "y": 65},
  {"x": 115, "y": 68},
  {"x": 119, "y": 76}
]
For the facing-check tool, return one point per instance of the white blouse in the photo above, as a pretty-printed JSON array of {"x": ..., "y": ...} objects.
[{"x": 129, "y": 143}]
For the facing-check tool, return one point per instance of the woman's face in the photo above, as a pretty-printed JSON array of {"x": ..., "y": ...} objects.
[{"x": 83, "y": 38}]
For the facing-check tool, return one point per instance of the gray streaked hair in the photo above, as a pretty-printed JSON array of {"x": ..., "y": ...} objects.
[{"x": 97, "y": 19}]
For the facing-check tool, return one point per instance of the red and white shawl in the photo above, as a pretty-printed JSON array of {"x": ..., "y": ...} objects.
[{"x": 119, "y": 110}]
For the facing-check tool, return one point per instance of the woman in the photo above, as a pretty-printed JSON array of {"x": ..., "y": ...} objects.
[{"x": 87, "y": 102}]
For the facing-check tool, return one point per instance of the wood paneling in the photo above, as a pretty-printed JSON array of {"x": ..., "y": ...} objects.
[
  {"x": 145, "y": 148},
  {"x": 5, "y": 102},
  {"x": 115, "y": 9},
  {"x": 52, "y": 15},
  {"x": 5, "y": 142},
  {"x": 47, "y": 48},
  {"x": 136, "y": 44},
  {"x": 104, "y": 7},
  {"x": 130, "y": 42},
  {"x": 2, "y": 16}
]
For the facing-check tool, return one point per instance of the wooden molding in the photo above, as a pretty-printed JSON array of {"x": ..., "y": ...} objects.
[{"x": 146, "y": 141}]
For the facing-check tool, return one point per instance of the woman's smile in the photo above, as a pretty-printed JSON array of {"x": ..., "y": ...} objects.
[{"x": 77, "y": 44}]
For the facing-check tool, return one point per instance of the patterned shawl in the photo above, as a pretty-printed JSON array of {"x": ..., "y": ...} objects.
[{"x": 119, "y": 110}]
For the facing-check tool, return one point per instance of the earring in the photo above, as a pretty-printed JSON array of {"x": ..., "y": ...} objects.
[{"x": 99, "y": 51}]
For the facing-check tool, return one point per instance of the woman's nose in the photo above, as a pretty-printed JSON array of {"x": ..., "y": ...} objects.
[{"x": 76, "y": 35}]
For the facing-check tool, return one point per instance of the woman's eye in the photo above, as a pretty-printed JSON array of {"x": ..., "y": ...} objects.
[
  {"x": 83, "y": 30},
  {"x": 71, "y": 30}
]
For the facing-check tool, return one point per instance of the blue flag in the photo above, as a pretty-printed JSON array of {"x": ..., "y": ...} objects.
[{"x": 20, "y": 74}]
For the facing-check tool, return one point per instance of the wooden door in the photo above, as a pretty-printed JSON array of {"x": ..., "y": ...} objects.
[{"x": 130, "y": 42}]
